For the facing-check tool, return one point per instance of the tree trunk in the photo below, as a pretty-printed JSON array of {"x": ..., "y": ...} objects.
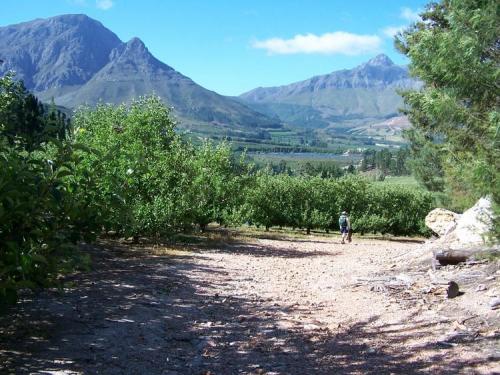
[{"x": 452, "y": 256}]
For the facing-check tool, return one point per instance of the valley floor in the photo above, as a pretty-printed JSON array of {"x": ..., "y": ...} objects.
[{"x": 268, "y": 305}]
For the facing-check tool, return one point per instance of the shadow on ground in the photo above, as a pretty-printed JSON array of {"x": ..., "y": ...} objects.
[
  {"x": 243, "y": 248},
  {"x": 141, "y": 314}
]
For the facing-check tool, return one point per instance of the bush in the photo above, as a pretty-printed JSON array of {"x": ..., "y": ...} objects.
[
  {"x": 40, "y": 220},
  {"x": 315, "y": 203},
  {"x": 393, "y": 209},
  {"x": 154, "y": 183},
  {"x": 138, "y": 165}
]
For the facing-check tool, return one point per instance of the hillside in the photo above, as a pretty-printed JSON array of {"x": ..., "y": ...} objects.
[
  {"x": 76, "y": 60},
  {"x": 345, "y": 98}
]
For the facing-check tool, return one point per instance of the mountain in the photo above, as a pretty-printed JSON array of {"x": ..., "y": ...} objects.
[
  {"x": 342, "y": 99},
  {"x": 76, "y": 60},
  {"x": 56, "y": 52}
]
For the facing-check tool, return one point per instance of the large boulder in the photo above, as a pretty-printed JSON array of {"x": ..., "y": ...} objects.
[
  {"x": 441, "y": 221},
  {"x": 475, "y": 223},
  {"x": 462, "y": 236}
]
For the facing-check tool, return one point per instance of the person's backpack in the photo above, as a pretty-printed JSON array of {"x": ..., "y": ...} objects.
[{"x": 343, "y": 221}]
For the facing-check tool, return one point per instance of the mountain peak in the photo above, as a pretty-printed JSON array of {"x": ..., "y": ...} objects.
[
  {"x": 380, "y": 60},
  {"x": 68, "y": 21},
  {"x": 135, "y": 47},
  {"x": 135, "y": 52},
  {"x": 135, "y": 42},
  {"x": 77, "y": 17},
  {"x": 55, "y": 52}
]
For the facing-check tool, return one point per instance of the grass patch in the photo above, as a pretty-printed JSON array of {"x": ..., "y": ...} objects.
[{"x": 400, "y": 180}]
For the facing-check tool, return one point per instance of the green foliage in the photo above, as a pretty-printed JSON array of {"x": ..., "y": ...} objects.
[
  {"x": 154, "y": 183},
  {"x": 385, "y": 161},
  {"x": 24, "y": 119},
  {"x": 218, "y": 184},
  {"x": 295, "y": 166},
  {"x": 136, "y": 158},
  {"x": 454, "y": 50},
  {"x": 268, "y": 202},
  {"x": 394, "y": 209},
  {"x": 426, "y": 161},
  {"x": 315, "y": 203},
  {"x": 40, "y": 221}
]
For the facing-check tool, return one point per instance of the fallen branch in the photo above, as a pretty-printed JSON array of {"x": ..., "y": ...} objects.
[{"x": 454, "y": 256}]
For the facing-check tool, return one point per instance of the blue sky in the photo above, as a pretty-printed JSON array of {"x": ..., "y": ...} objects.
[{"x": 232, "y": 46}]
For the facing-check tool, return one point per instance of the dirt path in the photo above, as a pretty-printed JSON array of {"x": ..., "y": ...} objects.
[{"x": 261, "y": 306}]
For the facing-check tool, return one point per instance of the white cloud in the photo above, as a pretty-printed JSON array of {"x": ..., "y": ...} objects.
[
  {"x": 104, "y": 4},
  {"x": 338, "y": 42},
  {"x": 409, "y": 15},
  {"x": 391, "y": 31}
]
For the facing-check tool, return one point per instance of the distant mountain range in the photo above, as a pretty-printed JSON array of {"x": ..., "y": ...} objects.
[
  {"x": 346, "y": 98},
  {"x": 76, "y": 60}
]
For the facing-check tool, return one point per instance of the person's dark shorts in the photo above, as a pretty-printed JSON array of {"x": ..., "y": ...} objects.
[{"x": 344, "y": 230}]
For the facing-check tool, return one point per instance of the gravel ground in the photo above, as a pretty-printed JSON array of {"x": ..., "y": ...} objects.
[{"x": 302, "y": 305}]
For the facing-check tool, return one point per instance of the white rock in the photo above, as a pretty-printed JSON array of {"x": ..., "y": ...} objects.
[
  {"x": 441, "y": 221},
  {"x": 480, "y": 287},
  {"x": 311, "y": 327},
  {"x": 495, "y": 303},
  {"x": 470, "y": 232},
  {"x": 471, "y": 228},
  {"x": 475, "y": 223}
]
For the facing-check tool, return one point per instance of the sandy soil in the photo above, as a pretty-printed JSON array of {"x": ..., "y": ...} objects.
[{"x": 304, "y": 305}]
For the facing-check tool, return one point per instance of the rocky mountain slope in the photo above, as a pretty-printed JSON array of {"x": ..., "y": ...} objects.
[
  {"x": 76, "y": 60},
  {"x": 345, "y": 98}
]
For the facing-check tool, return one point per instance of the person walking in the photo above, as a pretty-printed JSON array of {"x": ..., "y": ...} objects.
[{"x": 345, "y": 226}]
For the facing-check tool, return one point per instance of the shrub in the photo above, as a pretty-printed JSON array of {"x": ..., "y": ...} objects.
[
  {"x": 315, "y": 203},
  {"x": 40, "y": 220}
]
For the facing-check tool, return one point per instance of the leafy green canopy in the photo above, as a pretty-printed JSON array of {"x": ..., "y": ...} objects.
[
  {"x": 454, "y": 50},
  {"x": 153, "y": 182},
  {"x": 40, "y": 219},
  {"x": 315, "y": 203},
  {"x": 25, "y": 120}
]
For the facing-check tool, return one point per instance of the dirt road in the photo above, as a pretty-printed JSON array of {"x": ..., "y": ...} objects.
[{"x": 250, "y": 306}]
